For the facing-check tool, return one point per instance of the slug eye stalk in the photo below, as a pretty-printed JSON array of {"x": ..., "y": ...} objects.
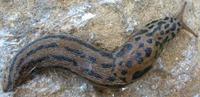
[{"x": 184, "y": 26}]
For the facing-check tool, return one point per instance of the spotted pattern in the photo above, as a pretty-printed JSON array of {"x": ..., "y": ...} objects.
[
  {"x": 150, "y": 27},
  {"x": 148, "y": 52},
  {"x": 149, "y": 34},
  {"x": 152, "y": 22},
  {"x": 171, "y": 20},
  {"x": 173, "y": 34},
  {"x": 126, "y": 48},
  {"x": 111, "y": 78},
  {"x": 179, "y": 24},
  {"x": 129, "y": 63},
  {"x": 159, "y": 38},
  {"x": 173, "y": 28},
  {"x": 123, "y": 79},
  {"x": 141, "y": 45},
  {"x": 166, "y": 26},
  {"x": 104, "y": 65},
  {"x": 161, "y": 23},
  {"x": 166, "y": 39},
  {"x": 167, "y": 32},
  {"x": 139, "y": 74},
  {"x": 92, "y": 59},
  {"x": 157, "y": 43},
  {"x": 137, "y": 38},
  {"x": 92, "y": 73},
  {"x": 124, "y": 72},
  {"x": 138, "y": 57},
  {"x": 147, "y": 43},
  {"x": 166, "y": 18}
]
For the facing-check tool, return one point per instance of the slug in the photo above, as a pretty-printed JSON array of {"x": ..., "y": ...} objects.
[{"x": 107, "y": 69}]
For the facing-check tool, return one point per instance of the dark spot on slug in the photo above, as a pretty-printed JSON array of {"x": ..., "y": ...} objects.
[
  {"x": 140, "y": 32},
  {"x": 141, "y": 45},
  {"x": 166, "y": 18},
  {"x": 113, "y": 65},
  {"x": 143, "y": 31},
  {"x": 107, "y": 65},
  {"x": 147, "y": 68},
  {"x": 138, "y": 54},
  {"x": 149, "y": 34},
  {"x": 171, "y": 20},
  {"x": 123, "y": 79},
  {"x": 161, "y": 23},
  {"x": 166, "y": 39},
  {"x": 151, "y": 26},
  {"x": 147, "y": 24},
  {"x": 51, "y": 45},
  {"x": 159, "y": 38},
  {"x": 148, "y": 52},
  {"x": 53, "y": 57},
  {"x": 120, "y": 63},
  {"x": 178, "y": 29},
  {"x": 150, "y": 41},
  {"x": 167, "y": 32},
  {"x": 173, "y": 35},
  {"x": 92, "y": 59},
  {"x": 126, "y": 48},
  {"x": 92, "y": 73},
  {"x": 115, "y": 74},
  {"x": 124, "y": 72},
  {"x": 137, "y": 38},
  {"x": 173, "y": 28},
  {"x": 76, "y": 52},
  {"x": 162, "y": 46},
  {"x": 105, "y": 54},
  {"x": 179, "y": 24},
  {"x": 64, "y": 58},
  {"x": 154, "y": 21},
  {"x": 166, "y": 26},
  {"x": 162, "y": 33},
  {"x": 157, "y": 43},
  {"x": 120, "y": 53},
  {"x": 39, "y": 60},
  {"x": 111, "y": 78},
  {"x": 156, "y": 29},
  {"x": 139, "y": 74},
  {"x": 138, "y": 57},
  {"x": 129, "y": 63}
]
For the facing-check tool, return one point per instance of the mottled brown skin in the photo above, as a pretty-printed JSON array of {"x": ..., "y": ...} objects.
[{"x": 122, "y": 67}]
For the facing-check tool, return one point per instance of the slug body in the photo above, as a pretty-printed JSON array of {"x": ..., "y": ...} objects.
[{"x": 110, "y": 69}]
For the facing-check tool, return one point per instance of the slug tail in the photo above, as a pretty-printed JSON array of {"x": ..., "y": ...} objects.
[{"x": 180, "y": 17}]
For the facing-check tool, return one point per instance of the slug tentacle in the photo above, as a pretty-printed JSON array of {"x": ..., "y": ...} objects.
[{"x": 184, "y": 26}]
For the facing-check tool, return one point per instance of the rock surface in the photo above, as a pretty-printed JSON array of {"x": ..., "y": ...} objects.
[{"x": 105, "y": 23}]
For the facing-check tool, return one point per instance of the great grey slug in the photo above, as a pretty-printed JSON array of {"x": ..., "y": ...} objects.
[{"x": 110, "y": 69}]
